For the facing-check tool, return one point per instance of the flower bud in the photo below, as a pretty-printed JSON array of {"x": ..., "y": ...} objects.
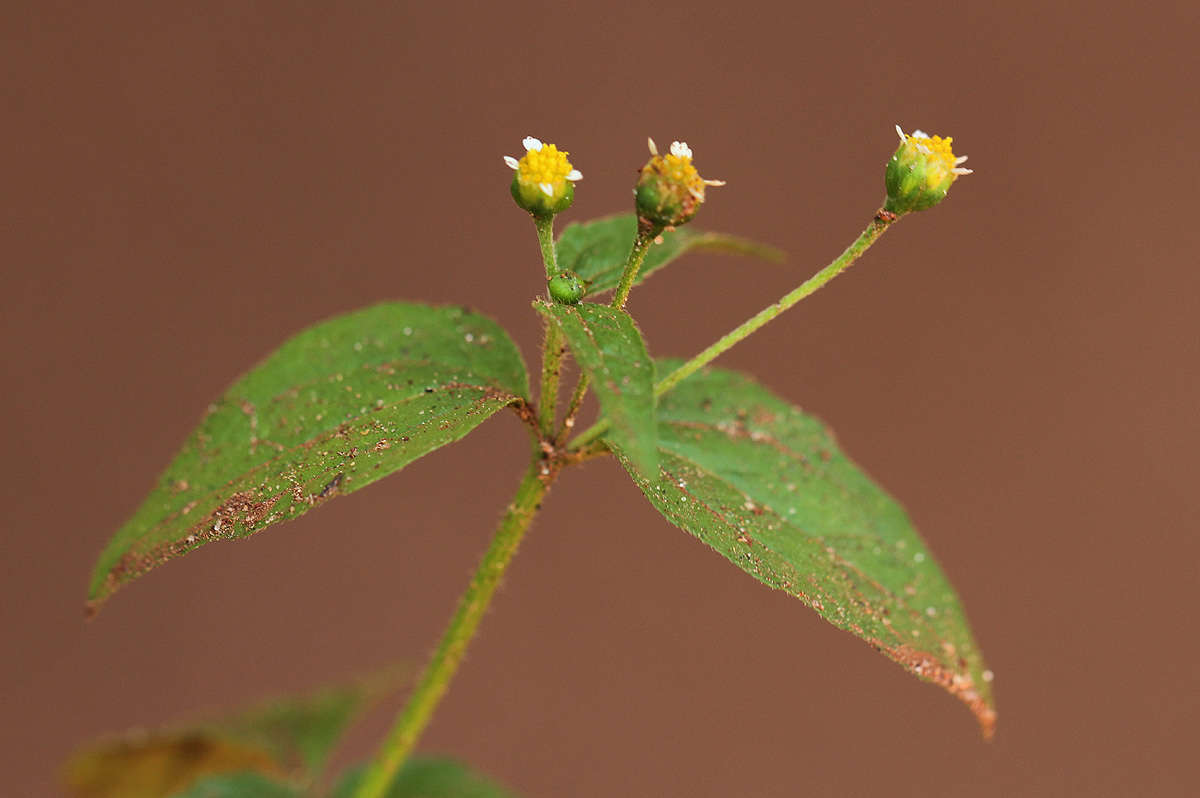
[
  {"x": 920, "y": 172},
  {"x": 544, "y": 183},
  {"x": 566, "y": 288},
  {"x": 669, "y": 189}
]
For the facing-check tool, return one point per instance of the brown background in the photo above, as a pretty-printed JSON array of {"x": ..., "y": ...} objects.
[{"x": 184, "y": 187}]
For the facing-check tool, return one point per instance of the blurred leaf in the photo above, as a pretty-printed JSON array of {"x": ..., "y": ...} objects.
[
  {"x": 335, "y": 408},
  {"x": 430, "y": 777},
  {"x": 608, "y": 347},
  {"x": 159, "y": 765},
  {"x": 288, "y": 739},
  {"x": 238, "y": 785},
  {"x": 597, "y": 250},
  {"x": 300, "y": 732},
  {"x": 766, "y": 486}
]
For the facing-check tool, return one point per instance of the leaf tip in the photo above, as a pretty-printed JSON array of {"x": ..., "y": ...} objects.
[
  {"x": 770, "y": 253},
  {"x": 987, "y": 721},
  {"x": 97, "y": 596}
]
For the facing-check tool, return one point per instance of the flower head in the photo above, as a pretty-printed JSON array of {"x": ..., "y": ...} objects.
[
  {"x": 566, "y": 288},
  {"x": 921, "y": 171},
  {"x": 543, "y": 183},
  {"x": 669, "y": 189}
]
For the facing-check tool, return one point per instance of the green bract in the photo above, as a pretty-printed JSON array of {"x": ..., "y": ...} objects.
[{"x": 537, "y": 202}]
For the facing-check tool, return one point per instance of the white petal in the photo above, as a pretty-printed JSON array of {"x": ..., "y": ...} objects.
[
  {"x": 900, "y": 133},
  {"x": 531, "y": 143},
  {"x": 922, "y": 148},
  {"x": 960, "y": 159},
  {"x": 920, "y": 134},
  {"x": 650, "y": 143},
  {"x": 574, "y": 175},
  {"x": 547, "y": 188},
  {"x": 511, "y": 161},
  {"x": 680, "y": 149},
  {"x": 958, "y": 170},
  {"x": 714, "y": 182}
]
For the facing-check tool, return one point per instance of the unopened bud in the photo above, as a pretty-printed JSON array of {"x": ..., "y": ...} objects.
[
  {"x": 920, "y": 172},
  {"x": 566, "y": 288}
]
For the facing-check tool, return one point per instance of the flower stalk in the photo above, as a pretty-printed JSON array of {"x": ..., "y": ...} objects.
[
  {"x": 545, "y": 235},
  {"x": 641, "y": 244},
  {"x": 880, "y": 223}
]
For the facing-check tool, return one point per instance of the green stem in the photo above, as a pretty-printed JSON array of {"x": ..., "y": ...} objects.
[
  {"x": 545, "y": 234},
  {"x": 645, "y": 236},
  {"x": 875, "y": 229},
  {"x": 441, "y": 668},
  {"x": 554, "y": 346},
  {"x": 552, "y": 356},
  {"x": 641, "y": 243},
  {"x": 572, "y": 408}
]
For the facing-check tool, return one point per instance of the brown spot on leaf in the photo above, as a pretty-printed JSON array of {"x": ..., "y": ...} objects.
[
  {"x": 763, "y": 416},
  {"x": 331, "y": 486}
]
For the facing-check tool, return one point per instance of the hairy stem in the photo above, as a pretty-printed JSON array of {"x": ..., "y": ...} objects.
[
  {"x": 545, "y": 234},
  {"x": 572, "y": 409},
  {"x": 554, "y": 346},
  {"x": 552, "y": 356},
  {"x": 445, "y": 661},
  {"x": 646, "y": 233},
  {"x": 641, "y": 243},
  {"x": 880, "y": 223},
  {"x": 809, "y": 287}
]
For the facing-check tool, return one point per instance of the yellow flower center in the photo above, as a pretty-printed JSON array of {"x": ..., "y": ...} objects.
[
  {"x": 937, "y": 154},
  {"x": 548, "y": 165},
  {"x": 679, "y": 169}
]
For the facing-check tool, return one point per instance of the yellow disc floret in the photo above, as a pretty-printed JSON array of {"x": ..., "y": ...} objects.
[
  {"x": 669, "y": 189},
  {"x": 548, "y": 165},
  {"x": 544, "y": 179},
  {"x": 679, "y": 168},
  {"x": 939, "y": 157}
]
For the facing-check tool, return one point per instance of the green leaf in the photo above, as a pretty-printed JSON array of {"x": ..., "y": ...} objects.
[
  {"x": 238, "y": 785},
  {"x": 766, "y": 486},
  {"x": 608, "y": 347},
  {"x": 300, "y": 732},
  {"x": 597, "y": 250},
  {"x": 286, "y": 739},
  {"x": 335, "y": 408},
  {"x": 430, "y": 777}
]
